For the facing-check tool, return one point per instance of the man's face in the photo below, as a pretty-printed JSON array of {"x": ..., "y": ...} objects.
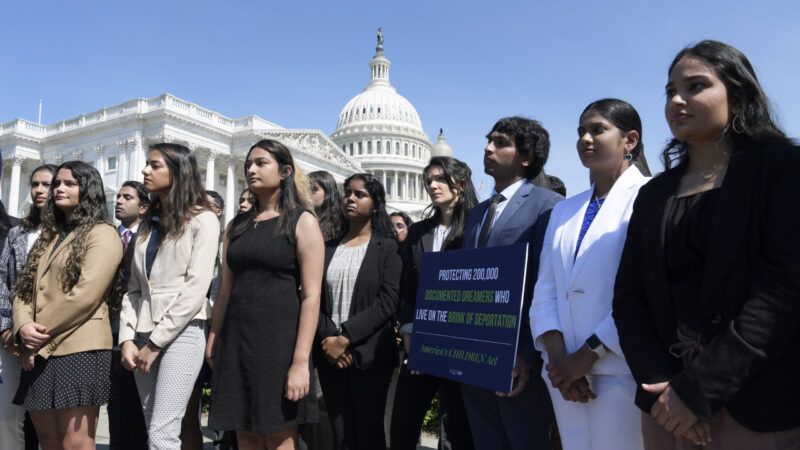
[
  {"x": 500, "y": 157},
  {"x": 127, "y": 206}
]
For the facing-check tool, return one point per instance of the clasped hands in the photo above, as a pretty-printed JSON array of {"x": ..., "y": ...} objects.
[
  {"x": 33, "y": 336},
  {"x": 567, "y": 373},
  {"x": 672, "y": 414},
  {"x": 336, "y": 351},
  {"x": 141, "y": 359}
]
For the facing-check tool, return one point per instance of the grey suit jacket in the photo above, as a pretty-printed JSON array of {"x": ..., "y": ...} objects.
[
  {"x": 12, "y": 260},
  {"x": 524, "y": 219}
]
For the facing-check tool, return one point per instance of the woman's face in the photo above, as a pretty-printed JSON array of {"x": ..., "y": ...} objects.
[
  {"x": 357, "y": 203},
  {"x": 156, "y": 173},
  {"x": 263, "y": 171},
  {"x": 40, "y": 187},
  {"x": 317, "y": 195},
  {"x": 601, "y": 145},
  {"x": 440, "y": 192},
  {"x": 697, "y": 102},
  {"x": 244, "y": 202},
  {"x": 400, "y": 228},
  {"x": 66, "y": 193}
]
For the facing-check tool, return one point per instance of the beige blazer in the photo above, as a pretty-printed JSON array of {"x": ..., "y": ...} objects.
[
  {"x": 77, "y": 321},
  {"x": 175, "y": 293}
]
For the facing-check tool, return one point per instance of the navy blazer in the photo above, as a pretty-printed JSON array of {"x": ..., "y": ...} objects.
[
  {"x": 524, "y": 219},
  {"x": 372, "y": 308}
]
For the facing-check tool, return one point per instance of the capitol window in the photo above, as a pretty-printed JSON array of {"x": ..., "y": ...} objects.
[
  {"x": 405, "y": 147},
  {"x": 351, "y": 149},
  {"x": 369, "y": 147},
  {"x": 111, "y": 164},
  {"x": 396, "y": 148},
  {"x": 379, "y": 143},
  {"x": 360, "y": 149}
]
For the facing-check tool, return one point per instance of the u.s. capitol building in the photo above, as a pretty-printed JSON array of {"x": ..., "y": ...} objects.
[{"x": 378, "y": 131}]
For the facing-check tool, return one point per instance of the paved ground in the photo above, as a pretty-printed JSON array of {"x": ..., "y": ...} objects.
[{"x": 428, "y": 442}]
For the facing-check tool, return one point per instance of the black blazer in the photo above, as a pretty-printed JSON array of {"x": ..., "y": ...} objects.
[
  {"x": 419, "y": 241},
  {"x": 373, "y": 306},
  {"x": 750, "y": 298}
]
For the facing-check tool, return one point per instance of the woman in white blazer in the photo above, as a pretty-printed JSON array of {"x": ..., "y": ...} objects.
[
  {"x": 162, "y": 322},
  {"x": 590, "y": 384}
]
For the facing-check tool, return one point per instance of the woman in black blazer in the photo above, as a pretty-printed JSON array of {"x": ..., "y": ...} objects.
[
  {"x": 356, "y": 352},
  {"x": 707, "y": 294},
  {"x": 449, "y": 184}
]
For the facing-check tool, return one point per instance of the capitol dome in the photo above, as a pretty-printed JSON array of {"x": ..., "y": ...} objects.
[
  {"x": 441, "y": 147},
  {"x": 382, "y": 130}
]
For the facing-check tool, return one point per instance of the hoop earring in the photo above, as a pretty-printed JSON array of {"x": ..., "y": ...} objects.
[
  {"x": 737, "y": 124},
  {"x": 629, "y": 157}
]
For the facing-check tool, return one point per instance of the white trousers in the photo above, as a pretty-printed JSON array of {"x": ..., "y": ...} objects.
[
  {"x": 12, "y": 437},
  {"x": 166, "y": 389},
  {"x": 609, "y": 422}
]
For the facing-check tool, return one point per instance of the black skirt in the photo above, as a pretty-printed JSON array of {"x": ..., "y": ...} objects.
[{"x": 69, "y": 381}]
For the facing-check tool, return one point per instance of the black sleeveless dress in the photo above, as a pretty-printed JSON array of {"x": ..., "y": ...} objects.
[{"x": 256, "y": 345}]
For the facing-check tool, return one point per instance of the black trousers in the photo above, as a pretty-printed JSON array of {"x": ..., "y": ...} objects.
[
  {"x": 411, "y": 401},
  {"x": 356, "y": 401},
  {"x": 126, "y": 425}
]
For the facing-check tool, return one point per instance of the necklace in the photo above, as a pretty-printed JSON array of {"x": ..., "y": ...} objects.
[{"x": 596, "y": 200}]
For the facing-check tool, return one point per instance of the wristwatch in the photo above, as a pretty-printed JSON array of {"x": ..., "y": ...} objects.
[{"x": 596, "y": 345}]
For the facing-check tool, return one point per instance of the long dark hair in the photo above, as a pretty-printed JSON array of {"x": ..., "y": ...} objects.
[
  {"x": 329, "y": 213},
  {"x": 380, "y": 222},
  {"x": 625, "y": 117},
  {"x": 5, "y": 221},
  {"x": 91, "y": 211},
  {"x": 459, "y": 179},
  {"x": 187, "y": 196},
  {"x": 34, "y": 217},
  {"x": 751, "y": 123},
  {"x": 289, "y": 204}
]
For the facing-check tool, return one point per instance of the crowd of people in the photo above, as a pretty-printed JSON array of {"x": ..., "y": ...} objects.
[{"x": 663, "y": 312}]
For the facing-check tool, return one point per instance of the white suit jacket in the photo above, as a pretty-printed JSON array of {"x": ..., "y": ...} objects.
[
  {"x": 573, "y": 293},
  {"x": 175, "y": 292}
]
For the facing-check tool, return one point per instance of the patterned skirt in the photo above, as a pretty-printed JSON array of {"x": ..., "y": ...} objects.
[{"x": 69, "y": 381}]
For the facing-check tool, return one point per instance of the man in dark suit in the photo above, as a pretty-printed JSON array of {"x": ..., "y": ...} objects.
[
  {"x": 517, "y": 212},
  {"x": 126, "y": 425}
]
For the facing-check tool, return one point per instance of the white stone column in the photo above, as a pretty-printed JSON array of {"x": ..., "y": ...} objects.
[
  {"x": 122, "y": 162},
  {"x": 139, "y": 158},
  {"x": 99, "y": 163},
  {"x": 13, "y": 191},
  {"x": 383, "y": 174},
  {"x": 230, "y": 190},
  {"x": 211, "y": 170}
]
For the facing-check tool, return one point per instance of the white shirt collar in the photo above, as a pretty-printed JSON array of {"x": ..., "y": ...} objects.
[
  {"x": 133, "y": 229},
  {"x": 511, "y": 189}
]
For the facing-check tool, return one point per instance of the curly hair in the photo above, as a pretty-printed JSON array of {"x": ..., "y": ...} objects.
[
  {"x": 530, "y": 138},
  {"x": 330, "y": 212},
  {"x": 91, "y": 211}
]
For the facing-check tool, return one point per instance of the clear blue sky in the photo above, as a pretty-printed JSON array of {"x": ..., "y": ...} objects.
[{"x": 463, "y": 64}]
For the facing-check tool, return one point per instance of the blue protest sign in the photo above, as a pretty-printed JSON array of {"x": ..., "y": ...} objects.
[{"x": 468, "y": 316}]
